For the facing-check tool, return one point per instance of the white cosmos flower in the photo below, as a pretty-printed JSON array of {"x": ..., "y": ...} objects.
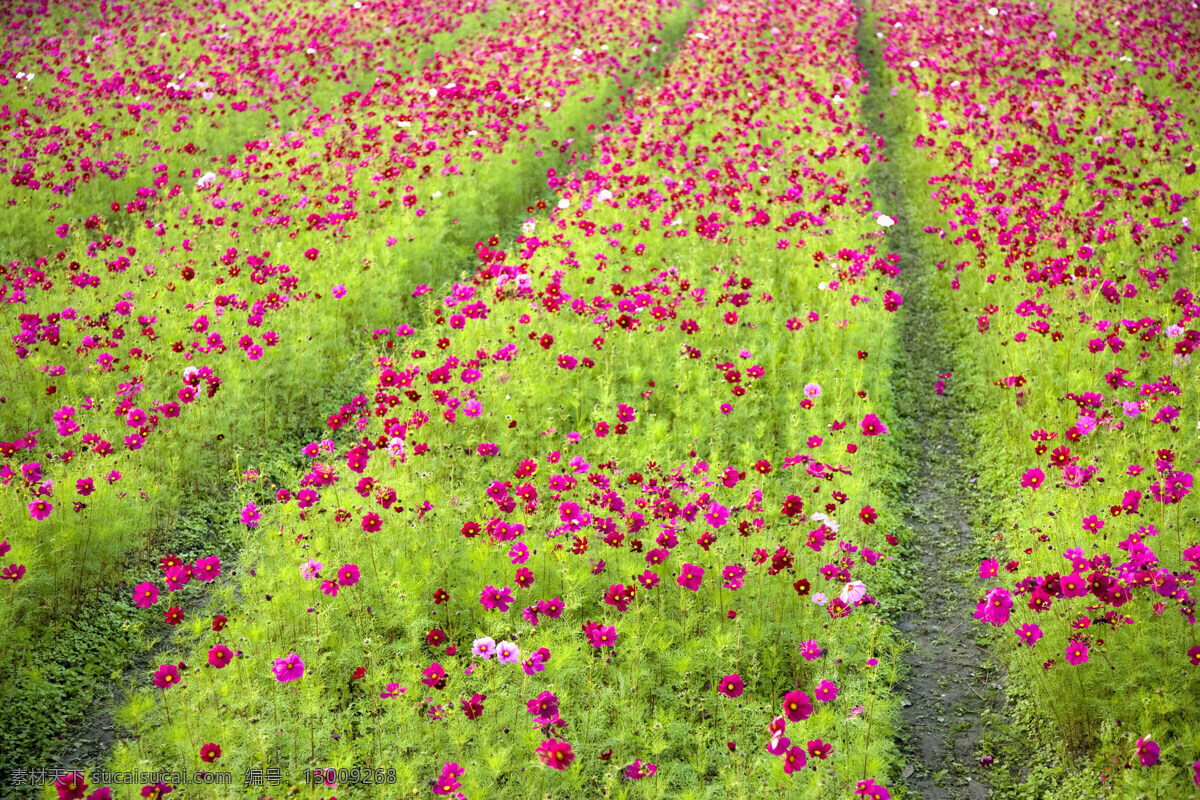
[{"x": 885, "y": 221}]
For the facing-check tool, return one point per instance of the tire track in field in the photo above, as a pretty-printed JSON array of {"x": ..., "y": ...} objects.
[{"x": 948, "y": 692}]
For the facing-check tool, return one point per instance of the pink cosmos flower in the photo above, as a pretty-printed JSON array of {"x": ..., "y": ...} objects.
[
  {"x": 794, "y": 760},
  {"x": 507, "y": 653},
  {"x": 731, "y": 685},
  {"x": 796, "y": 706},
  {"x": 826, "y": 692},
  {"x": 690, "y": 577},
  {"x": 1029, "y": 633},
  {"x": 166, "y": 676},
  {"x": 347, "y": 575},
  {"x": 493, "y": 598},
  {"x": 853, "y": 592},
  {"x": 1147, "y": 751},
  {"x": 40, "y": 509},
  {"x": 555, "y": 754},
  {"x": 288, "y": 668},
  {"x": 1033, "y": 478},
  {"x": 1077, "y": 653},
  {"x": 873, "y": 426},
  {"x": 145, "y": 594},
  {"x": 208, "y": 568},
  {"x": 220, "y": 656},
  {"x": 251, "y": 515},
  {"x": 433, "y": 675}
]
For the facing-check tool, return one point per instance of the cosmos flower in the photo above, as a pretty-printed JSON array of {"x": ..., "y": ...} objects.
[
  {"x": 507, "y": 653},
  {"x": 219, "y": 656},
  {"x": 826, "y": 692},
  {"x": 731, "y": 685},
  {"x": 690, "y": 577},
  {"x": 555, "y": 754},
  {"x": 145, "y": 594},
  {"x": 166, "y": 676},
  {"x": 796, "y": 706},
  {"x": 1147, "y": 751},
  {"x": 288, "y": 668},
  {"x": 1077, "y": 653},
  {"x": 484, "y": 647}
]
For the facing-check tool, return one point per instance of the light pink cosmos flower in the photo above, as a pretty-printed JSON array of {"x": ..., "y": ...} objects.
[{"x": 507, "y": 653}]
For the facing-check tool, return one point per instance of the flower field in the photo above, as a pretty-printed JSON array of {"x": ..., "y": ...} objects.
[{"x": 593, "y": 398}]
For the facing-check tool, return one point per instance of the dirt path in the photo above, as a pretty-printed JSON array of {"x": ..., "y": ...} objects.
[{"x": 948, "y": 693}]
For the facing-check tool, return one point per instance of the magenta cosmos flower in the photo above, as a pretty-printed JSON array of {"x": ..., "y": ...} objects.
[
  {"x": 70, "y": 786},
  {"x": 810, "y": 650},
  {"x": 826, "y": 692},
  {"x": 995, "y": 607},
  {"x": 220, "y": 656},
  {"x": 732, "y": 685},
  {"x": 433, "y": 675},
  {"x": 794, "y": 760},
  {"x": 555, "y": 754},
  {"x": 145, "y": 594},
  {"x": 251, "y": 515},
  {"x": 873, "y": 426},
  {"x": 207, "y": 569},
  {"x": 690, "y": 577},
  {"x": 447, "y": 782},
  {"x": 1033, "y": 478},
  {"x": 288, "y": 668},
  {"x": 870, "y": 789},
  {"x": 1029, "y": 633},
  {"x": 348, "y": 575},
  {"x": 796, "y": 706},
  {"x": 1147, "y": 751},
  {"x": 1077, "y": 653},
  {"x": 166, "y": 676},
  {"x": 493, "y": 598}
]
